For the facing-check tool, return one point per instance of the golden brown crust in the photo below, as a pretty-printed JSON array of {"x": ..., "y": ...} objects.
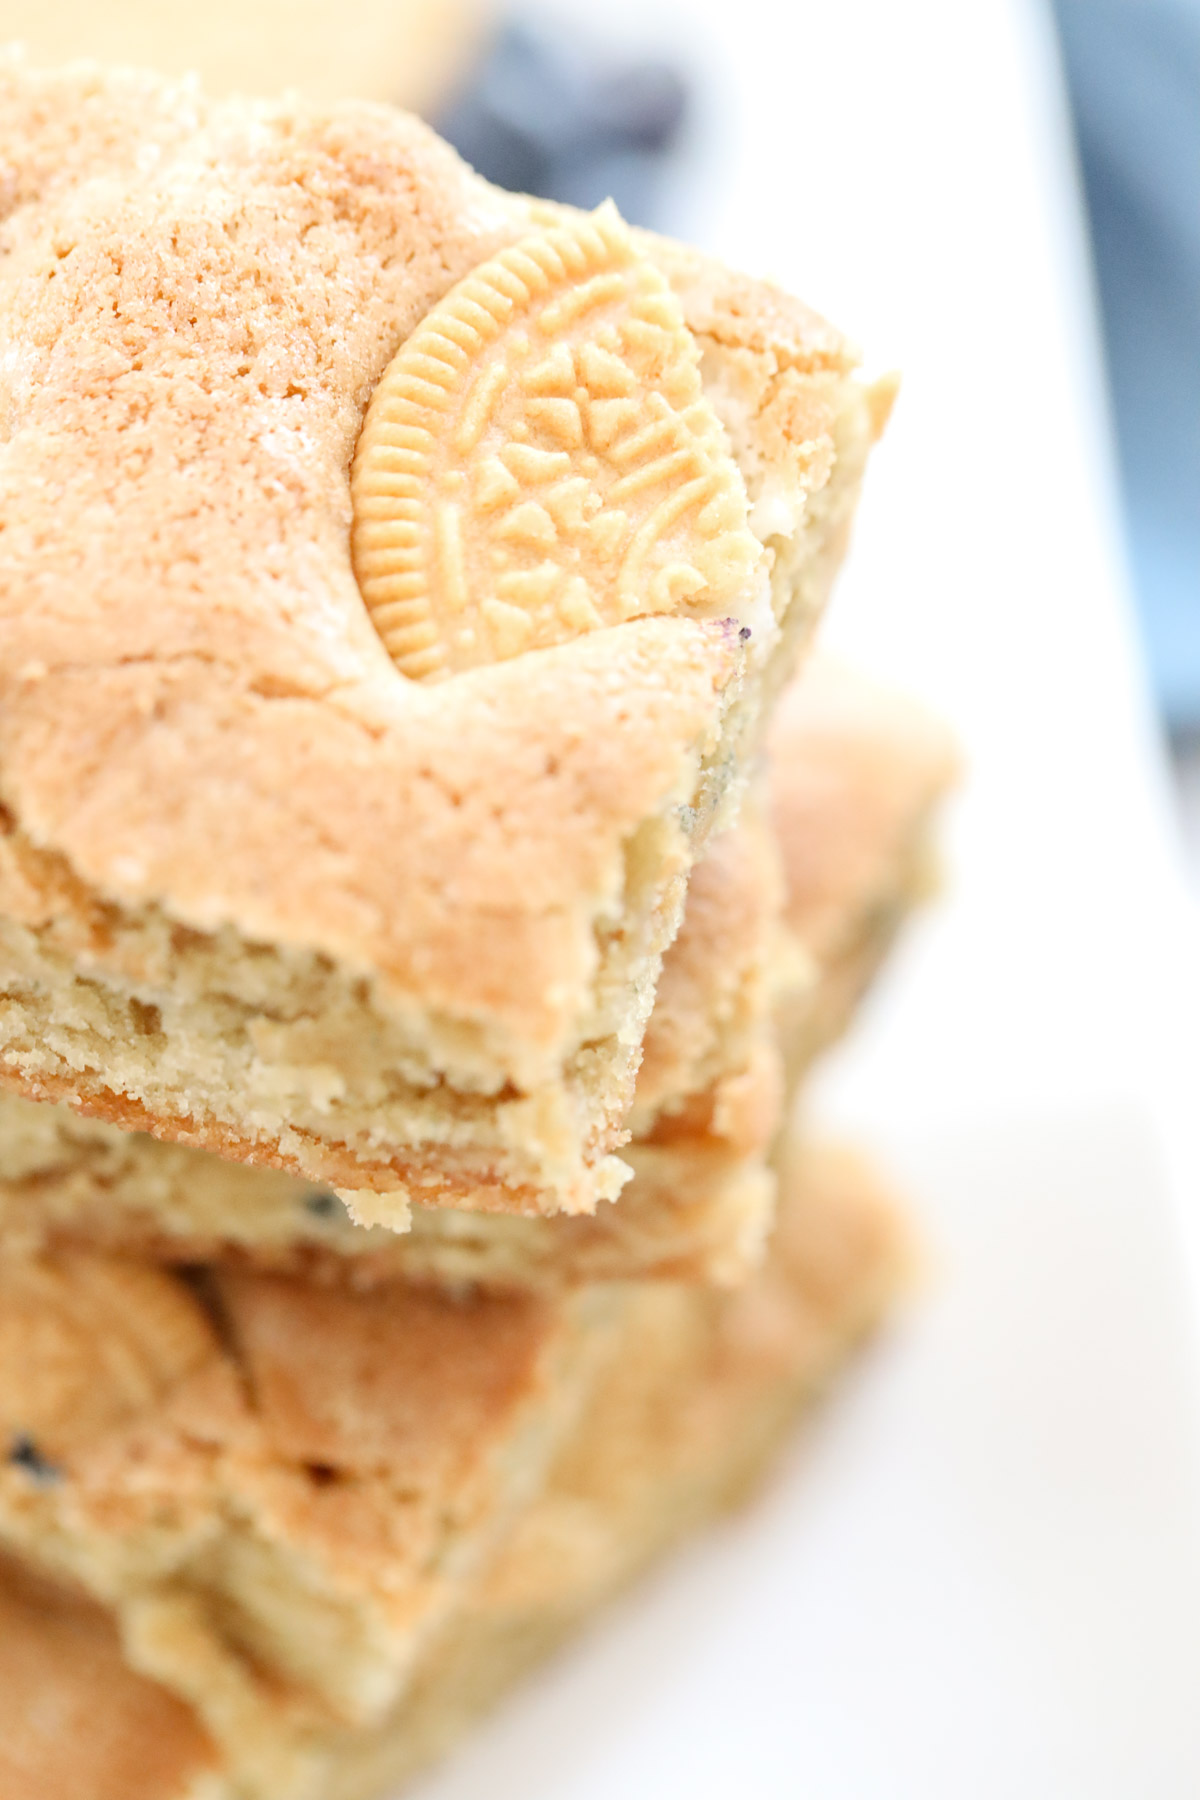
[
  {"x": 206, "y": 757},
  {"x": 857, "y": 776},
  {"x": 862, "y": 771},
  {"x": 713, "y": 994},
  {"x": 89, "y": 1344},
  {"x": 697, "y": 1209},
  {"x": 782, "y": 360},
  {"x": 217, "y": 732},
  {"x": 402, "y": 1378},
  {"x": 756, "y": 317},
  {"x": 307, "y": 1473},
  {"x": 859, "y": 770},
  {"x": 302, "y": 822},
  {"x": 681, "y": 1427},
  {"x": 464, "y": 1179},
  {"x": 76, "y": 1723},
  {"x": 684, "y": 1418}
]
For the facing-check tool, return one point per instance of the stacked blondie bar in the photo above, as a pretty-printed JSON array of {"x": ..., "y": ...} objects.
[{"x": 424, "y": 885}]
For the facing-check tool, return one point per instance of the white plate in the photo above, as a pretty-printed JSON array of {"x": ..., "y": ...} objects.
[{"x": 982, "y": 1576}]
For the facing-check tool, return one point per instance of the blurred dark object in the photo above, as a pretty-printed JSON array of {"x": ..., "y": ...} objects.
[
  {"x": 1134, "y": 72},
  {"x": 548, "y": 112}
]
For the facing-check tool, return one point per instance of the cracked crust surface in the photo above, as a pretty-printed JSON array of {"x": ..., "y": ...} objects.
[
  {"x": 258, "y": 892},
  {"x": 678, "y": 1427}
]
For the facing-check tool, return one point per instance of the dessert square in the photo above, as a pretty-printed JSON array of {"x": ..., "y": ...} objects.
[
  {"x": 679, "y": 1427},
  {"x": 855, "y": 778},
  {"x": 268, "y": 1478},
  {"x": 395, "y": 576}
]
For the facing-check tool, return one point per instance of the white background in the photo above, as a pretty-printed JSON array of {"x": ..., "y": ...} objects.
[{"x": 982, "y": 1575}]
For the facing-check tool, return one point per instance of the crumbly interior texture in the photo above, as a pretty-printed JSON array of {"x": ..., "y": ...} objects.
[
  {"x": 855, "y": 777},
  {"x": 259, "y": 893},
  {"x": 698, "y": 1207},
  {"x": 699, "y": 1202},
  {"x": 678, "y": 1427},
  {"x": 280, "y": 1488}
]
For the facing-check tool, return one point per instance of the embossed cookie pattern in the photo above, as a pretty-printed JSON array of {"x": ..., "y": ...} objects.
[{"x": 539, "y": 460}]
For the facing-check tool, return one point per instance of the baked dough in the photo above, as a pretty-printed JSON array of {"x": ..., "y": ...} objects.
[
  {"x": 856, "y": 776},
  {"x": 261, "y": 893},
  {"x": 682, "y": 1421},
  {"x": 294, "y": 1479}
]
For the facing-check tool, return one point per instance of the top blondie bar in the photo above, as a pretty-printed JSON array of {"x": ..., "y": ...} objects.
[{"x": 394, "y": 576}]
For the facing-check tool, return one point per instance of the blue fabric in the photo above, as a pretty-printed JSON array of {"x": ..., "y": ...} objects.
[
  {"x": 549, "y": 110},
  {"x": 1134, "y": 72}
]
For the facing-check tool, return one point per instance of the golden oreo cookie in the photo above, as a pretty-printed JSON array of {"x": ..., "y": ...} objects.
[{"x": 539, "y": 460}]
